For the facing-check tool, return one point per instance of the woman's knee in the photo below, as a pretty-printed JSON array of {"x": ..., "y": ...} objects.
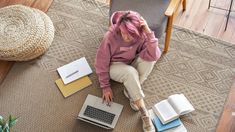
[
  {"x": 148, "y": 63},
  {"x": 131, "y": 71},
  {"x": 122, "y": 73}
]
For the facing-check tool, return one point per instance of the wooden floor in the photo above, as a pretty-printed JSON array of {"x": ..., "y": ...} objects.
[
  {"x": 196, "y": 17},
  {"x": 39, "y": 4},
  {"x": 210, "y": 22},
  {"x": 227, "y": 120}
]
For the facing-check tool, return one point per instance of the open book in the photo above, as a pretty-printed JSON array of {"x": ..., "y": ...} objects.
[{"x": 171, "y": 108}]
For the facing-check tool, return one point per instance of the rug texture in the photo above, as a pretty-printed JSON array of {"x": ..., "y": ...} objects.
[{"x": 200, "y": 67}]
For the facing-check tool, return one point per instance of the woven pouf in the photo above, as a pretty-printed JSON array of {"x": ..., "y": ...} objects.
[{"x": 25, "y": 33}]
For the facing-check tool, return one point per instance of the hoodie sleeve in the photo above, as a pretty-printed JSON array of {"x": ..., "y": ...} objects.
[
  {"x": 150, "y": 50},
  {"x": 102, "y": 62}
]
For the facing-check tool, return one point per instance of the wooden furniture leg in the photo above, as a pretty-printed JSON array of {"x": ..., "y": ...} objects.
[{"x": 168, "y": 33}]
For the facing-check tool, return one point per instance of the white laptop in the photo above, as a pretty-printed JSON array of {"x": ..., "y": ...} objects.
[
  {"x": 96, "y": 112},
  {"x": 74, "y": 70}
]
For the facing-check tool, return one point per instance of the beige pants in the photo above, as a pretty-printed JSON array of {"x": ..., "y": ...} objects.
[{"x": 132, "y": 76}]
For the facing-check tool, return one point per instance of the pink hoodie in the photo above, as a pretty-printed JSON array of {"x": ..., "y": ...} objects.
[{"x": 114, "y": 49}]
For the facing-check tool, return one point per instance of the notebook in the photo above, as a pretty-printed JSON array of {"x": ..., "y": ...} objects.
[
  {"x": 162, "y": 127},
  {"x": 74, "y": 70},
  {"x": 173, "y": 126},
  {"x": 96, "y": 112},
  {"x": 73, "y": 87},
  {"x": 171, "y": 108}
]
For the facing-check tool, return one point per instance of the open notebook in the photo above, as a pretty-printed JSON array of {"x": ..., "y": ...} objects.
[{"x": 171, "y": 108}]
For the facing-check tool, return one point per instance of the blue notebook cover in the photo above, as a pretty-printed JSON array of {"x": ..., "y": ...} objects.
[{"x": 162, "y": 127}]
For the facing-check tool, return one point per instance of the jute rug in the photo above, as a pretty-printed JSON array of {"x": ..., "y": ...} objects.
[{"x": 198, "y": 66}]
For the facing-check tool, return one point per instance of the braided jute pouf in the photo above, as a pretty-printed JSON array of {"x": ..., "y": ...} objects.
[{"x": 25, "y": 33}]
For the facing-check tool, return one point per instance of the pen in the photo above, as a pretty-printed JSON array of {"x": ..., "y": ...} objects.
[{"x": 71, "y": 74}]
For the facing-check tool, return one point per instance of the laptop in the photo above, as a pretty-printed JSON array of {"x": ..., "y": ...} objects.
[
  {"x": 74, "y": 70},
  {"x": 96, "y": 112}
]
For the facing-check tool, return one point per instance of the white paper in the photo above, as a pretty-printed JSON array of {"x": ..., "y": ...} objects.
[
  {"x": 180, "y": 128},
  {"x": 74, "y": 70}
]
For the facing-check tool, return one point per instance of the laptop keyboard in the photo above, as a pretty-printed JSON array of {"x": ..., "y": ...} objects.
[{"x": 98, "y": 114}]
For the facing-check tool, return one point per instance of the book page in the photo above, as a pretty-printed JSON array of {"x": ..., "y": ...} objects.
[
  {"x": 180, "y": 103},
  {"x": 165, "y": 112}
]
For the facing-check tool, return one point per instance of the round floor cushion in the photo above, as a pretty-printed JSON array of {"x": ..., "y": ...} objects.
[{"x": 25, "y": 33}]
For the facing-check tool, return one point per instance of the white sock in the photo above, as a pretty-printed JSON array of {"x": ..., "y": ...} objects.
[{"x": 143, "y": 111}]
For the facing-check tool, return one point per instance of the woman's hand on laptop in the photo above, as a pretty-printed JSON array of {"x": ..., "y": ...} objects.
[{"x": 107, "y": 95}]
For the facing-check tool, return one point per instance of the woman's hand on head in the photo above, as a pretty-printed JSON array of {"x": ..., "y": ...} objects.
[
  {"x": 144, "y": 25},
  {"x": 107, "y": 96}
]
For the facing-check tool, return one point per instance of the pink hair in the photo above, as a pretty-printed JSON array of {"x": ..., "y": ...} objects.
[{"x": 127, "y": 22}]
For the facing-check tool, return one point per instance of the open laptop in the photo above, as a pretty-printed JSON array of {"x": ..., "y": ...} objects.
[{"x": 98, "y": 113}]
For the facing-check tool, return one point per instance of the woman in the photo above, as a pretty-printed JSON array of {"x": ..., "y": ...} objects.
[{"x": 127, "y": 54}]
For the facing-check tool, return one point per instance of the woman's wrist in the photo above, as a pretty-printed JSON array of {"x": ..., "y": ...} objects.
[{"x": 106, "y": 89}]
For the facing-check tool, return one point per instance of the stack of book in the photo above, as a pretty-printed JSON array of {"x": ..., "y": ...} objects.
[
  {"x": 74, "y": 77},
  {"x": 165, "y": 114}
]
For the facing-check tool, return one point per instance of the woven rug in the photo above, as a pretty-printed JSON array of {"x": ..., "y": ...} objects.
[{"x": 200, "y": 67}]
